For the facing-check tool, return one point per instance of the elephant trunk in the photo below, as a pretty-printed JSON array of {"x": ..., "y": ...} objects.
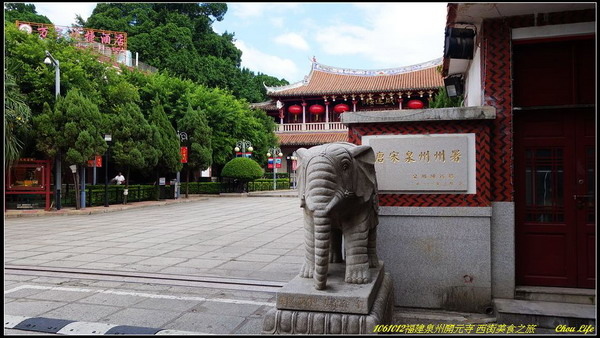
[
  {"x": 322, "y": 224},
  {"x": 321, "y": 198}
]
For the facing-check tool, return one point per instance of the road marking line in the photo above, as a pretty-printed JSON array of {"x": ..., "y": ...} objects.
[
  {"x": 12, "y": 321},
  {"x": 139, "y": 294},
  {"x": 39, "y": 324},
  {"x": 85, "y": 328}
]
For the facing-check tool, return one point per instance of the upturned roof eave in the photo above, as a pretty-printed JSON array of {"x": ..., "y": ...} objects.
[
  {"x": 281, "y": 90},
  {"x": 353, "y": 91}
]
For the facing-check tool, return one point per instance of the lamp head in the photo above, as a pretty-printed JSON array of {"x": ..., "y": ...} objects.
[
  {"x": 250, "y": 148},
  {"x": 47, "y": 61},
  {"x": 237, "y": 149}
]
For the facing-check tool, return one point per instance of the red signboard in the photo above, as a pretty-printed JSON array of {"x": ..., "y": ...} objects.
[
  {"x": 98, "y": 162},
  {"x": 184, "y": 154},
  {"x": 116, "y": 41}
]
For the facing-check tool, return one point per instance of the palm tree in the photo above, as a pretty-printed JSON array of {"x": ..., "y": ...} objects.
[{"x": 16, "y": 113}]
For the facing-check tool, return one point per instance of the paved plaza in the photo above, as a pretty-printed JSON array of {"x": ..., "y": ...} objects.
[{"x": 209, "y": 266}]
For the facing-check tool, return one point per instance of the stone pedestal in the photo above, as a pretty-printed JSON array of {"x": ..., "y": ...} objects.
[{"x": 341, "y": 308}]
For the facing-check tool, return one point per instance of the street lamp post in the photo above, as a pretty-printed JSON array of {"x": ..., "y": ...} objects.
[
  {"x": 182, "y": 137},
  {"x": 294, "y": 159},
  {"x": 74, "y": 171},
  {"x": 50, "y": 60},
  {"x": 107, "y": 138},
  {"x": 276, "y": 151},
  {"x": 243, "y": 145}
]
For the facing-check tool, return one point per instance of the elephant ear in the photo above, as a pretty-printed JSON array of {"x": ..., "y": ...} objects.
[
  {"x": 302, "y": 154},
  {"x": 365, "y": 182}
]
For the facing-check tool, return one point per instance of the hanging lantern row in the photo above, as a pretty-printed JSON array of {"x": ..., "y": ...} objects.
[{"x": 317, "y": 109}]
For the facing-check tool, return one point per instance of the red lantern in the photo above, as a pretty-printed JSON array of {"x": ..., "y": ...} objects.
[
  {"x": 340, "y": 108},
  {"x": 316, "y": 109},
  {"x": 415, "y": 104},
  {"x": 295, "y": 109}
]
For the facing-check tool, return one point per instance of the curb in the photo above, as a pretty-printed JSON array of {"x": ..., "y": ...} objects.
[
  {"x": 98, "y": 209},
  {"x": 135, "y": 205},
  {"x": 70, "y": 327}
]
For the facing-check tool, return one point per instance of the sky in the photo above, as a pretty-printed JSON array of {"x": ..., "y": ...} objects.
[{"x": 280, "y": 39}]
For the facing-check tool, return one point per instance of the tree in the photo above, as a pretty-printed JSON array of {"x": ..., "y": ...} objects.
[
  {"x": 133, "y": 140},
  {"x": 242, "y": 170},
  {"x": 195, "y": 125},
  {"x": 16, "y": 114},
  {"x": 72, "y": 132},
  {"x": 78, "y": 68},
  {"x": 178, "y": 38},
  {"x": 23, "y": 12},
  {"x": 165, "y": 140}
]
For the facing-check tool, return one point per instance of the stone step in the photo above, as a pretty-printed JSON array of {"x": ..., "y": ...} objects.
[
  {"x": 559, "y": 295},
  {"x": 547, "y": 315},
  {"x": 404, "y": 315}
]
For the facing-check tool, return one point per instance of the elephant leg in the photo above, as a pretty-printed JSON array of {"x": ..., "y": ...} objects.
[
  {"x": 372, "y": 249},
  {"x": 309, "y": 247},
  {"x": 357, "y": 260},
  {"x": 335, "y": 254}
]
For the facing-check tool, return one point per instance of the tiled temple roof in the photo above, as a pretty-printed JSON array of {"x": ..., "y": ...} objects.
[
  {"x": 310, "y": 139},
  {"x": 324, "y": 80}
]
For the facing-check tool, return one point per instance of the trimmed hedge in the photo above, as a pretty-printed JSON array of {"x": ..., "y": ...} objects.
[
  {"x": 242, "y": 168},
  {"x": 269, "y": 175},
  {"x": 201, "y": 187},
  {"x": 265, "y": 184}
]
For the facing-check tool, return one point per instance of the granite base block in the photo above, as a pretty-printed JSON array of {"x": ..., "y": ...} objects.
[
  {"x": 338, "y": 296},
  {"x": 279, "y": 321}
]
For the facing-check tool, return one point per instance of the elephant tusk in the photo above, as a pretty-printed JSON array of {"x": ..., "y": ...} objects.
[
  {"x": 349, "y": 194},
  {"x": 334, "y": 201}
]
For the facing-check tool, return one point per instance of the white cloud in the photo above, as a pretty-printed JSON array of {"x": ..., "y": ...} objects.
[
  {"x": 63, "y": 14},
  {"x": 258, "y": 61},
  {"x": 293, "y": 40},
  {"x": 247, "y": 10},
  {"x": 391, "y": 35}
]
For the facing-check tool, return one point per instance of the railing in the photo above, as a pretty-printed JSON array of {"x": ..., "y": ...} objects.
[{"x": 317, "y": 126}]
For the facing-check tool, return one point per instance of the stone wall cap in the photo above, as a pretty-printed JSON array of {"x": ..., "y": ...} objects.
[{"x": 415, "y": 115}]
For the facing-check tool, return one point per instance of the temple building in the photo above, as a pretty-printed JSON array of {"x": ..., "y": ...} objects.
[{"x": 308, "y": 112}]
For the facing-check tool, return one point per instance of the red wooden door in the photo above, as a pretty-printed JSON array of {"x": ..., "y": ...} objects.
[
  {"x": 554, "y": 164},
  {"x": 554, "y": 180}
]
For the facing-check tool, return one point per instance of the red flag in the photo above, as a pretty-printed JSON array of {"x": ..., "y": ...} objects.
[{"x": 184, "y": 155}]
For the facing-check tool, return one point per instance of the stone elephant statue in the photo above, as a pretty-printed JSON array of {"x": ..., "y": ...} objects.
[{"x": 338, "y": 191}]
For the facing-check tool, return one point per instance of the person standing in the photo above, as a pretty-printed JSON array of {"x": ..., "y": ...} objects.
[{"x": 119, "y": 179}]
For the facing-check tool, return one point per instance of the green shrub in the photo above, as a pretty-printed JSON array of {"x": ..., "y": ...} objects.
[
  {"x": 269, "y": 175},
  {"x": 442, "y": 100},
  {"x": 243, "y": 169},
  {"x": 202, "y": 187},
  {"x": 266, "y": 184}
]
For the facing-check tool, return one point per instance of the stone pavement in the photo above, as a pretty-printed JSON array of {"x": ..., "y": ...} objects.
[
  {"x": 203, "y": 265},
  {"x": 209, "y": 266}
]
